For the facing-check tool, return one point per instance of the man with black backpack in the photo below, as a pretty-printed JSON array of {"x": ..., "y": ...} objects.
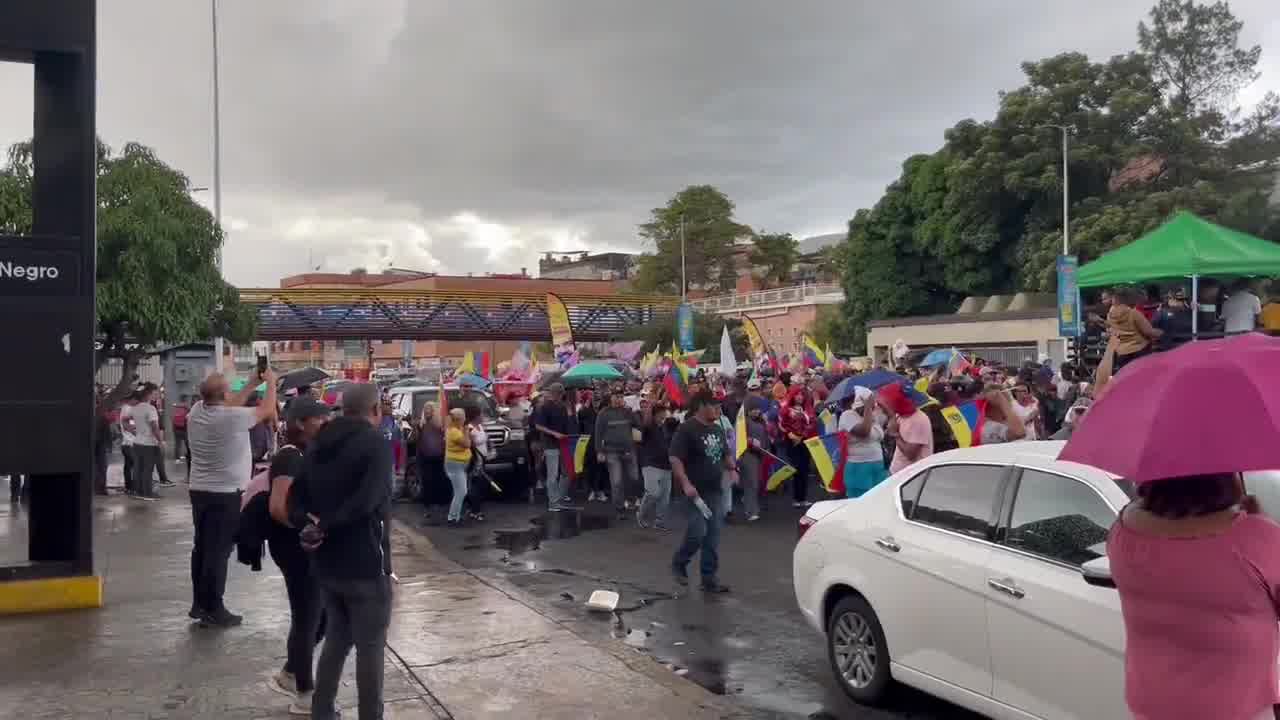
[{"x": 342, "y": 494}]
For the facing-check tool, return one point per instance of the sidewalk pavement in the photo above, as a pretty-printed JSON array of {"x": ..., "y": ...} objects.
[{"x": 459, "y": 646}]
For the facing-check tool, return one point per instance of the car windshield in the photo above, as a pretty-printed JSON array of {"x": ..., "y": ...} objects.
[{"x": 488, "y": 408}]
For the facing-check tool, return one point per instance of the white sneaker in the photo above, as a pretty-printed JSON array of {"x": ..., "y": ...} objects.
[
  {"x": 301, "y": 705},
  {"x": 753, "y": 518},
  {"x": 284, "y": 683}
]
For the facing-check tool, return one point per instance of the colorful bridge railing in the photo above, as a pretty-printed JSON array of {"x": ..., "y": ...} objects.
[{"x": 321, "y": 314}]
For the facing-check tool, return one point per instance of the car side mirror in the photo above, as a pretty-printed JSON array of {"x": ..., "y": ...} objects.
[{"x": 1098, "y": 572}]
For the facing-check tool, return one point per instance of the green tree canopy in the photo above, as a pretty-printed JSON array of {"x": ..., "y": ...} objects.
[
  {"x": 157, "y": 277},
  {"x": 1149, "y": 135},
  {"x": 776, "y": 253},
  {"x": 704, "y": 217}
]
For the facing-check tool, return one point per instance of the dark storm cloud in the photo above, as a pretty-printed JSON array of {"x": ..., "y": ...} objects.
[{"x": 403, "y": 131}]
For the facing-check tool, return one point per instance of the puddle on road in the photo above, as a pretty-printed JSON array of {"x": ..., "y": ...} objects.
[{"x": 548, "y": 526}]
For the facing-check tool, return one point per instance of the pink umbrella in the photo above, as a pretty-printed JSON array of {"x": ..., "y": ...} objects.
[{"x": 1208, "y": 407}]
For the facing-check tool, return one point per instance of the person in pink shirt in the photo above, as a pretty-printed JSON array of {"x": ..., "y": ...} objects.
[
  {"x": 910, "y": 429},
  {"x": 1198, "y": 572}
]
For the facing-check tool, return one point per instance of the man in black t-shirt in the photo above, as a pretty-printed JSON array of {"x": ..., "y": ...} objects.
[{"x": 700, "y": 455}]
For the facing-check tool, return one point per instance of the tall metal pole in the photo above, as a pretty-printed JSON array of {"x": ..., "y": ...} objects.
[
  {"x": 1066, "y": 196},
  {"x": 217, "y": 160},
  {"x": 684, "y": 284}
]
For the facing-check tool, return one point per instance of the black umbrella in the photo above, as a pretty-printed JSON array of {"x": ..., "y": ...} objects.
[{"x": 302, "y": 377}]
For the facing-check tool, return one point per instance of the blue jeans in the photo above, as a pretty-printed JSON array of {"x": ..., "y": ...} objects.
[
  {"x": 657, "y": 494},
  {"x": 702, "y": 535},
  {"x": 557, "y": 483},
  {"x": 457, "y": 474}
]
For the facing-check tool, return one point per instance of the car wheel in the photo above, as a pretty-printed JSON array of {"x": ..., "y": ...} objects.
[
  {"x": 412, "y": 483},
  {"x": 857, "y": 650}
]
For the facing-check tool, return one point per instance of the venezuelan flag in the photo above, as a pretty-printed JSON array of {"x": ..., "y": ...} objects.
[
  {"x": 829, "y": 452},
  {"x": 573, "y": 454},
  {"x": 777, "y": 471},
  {"x": 476, "y": 363},
  {"x": 966, "y": 422},
  {"x": 814, "y": 356},
  {"x": 676, "y": 380}
]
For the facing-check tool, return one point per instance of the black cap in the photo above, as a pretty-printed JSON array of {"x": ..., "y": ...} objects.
[{"x": 304, "y": 408}]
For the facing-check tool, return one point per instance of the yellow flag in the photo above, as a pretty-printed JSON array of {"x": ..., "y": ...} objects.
[{"x": 741, "y": 430}]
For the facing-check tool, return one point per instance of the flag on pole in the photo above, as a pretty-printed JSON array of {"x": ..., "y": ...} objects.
[
  {"x": 475, "y": 363},
  {"x": 814, "y": 356},
  {"x": 966, "y": 422},
  {"x": 728, "y": 363},
  {"x": 829, "y": 452},
  {"x": 776, "y": 471},
  {"x": 676, "y": 381}
]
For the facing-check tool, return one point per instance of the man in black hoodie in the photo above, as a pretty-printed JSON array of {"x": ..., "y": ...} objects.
[{"x": 341, "y": 495}]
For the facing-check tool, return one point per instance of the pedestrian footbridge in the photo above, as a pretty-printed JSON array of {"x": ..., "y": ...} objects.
[{"x": 415, "y": 314}]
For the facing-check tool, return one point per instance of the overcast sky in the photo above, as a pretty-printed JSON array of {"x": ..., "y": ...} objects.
[{"x": 468, "y": 136}]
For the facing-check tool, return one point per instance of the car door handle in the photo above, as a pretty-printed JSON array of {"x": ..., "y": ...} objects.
[
  {"x": 888, "y": 544},
  {"x": 1007, "y": 587}
]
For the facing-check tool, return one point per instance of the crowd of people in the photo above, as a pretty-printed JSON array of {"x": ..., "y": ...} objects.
[{"x": 317, "y": 500}]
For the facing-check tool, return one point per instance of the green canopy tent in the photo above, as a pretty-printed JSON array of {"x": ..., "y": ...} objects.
[{"x": 1184, "y": 247}]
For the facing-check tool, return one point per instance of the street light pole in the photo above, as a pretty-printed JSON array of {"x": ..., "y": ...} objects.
[
  {"x": 1066, "y": 187},
  {"x": 217, "y": 162},
  {"x": 1066, "y": 195},
  {"x": 684, "y": 283}
]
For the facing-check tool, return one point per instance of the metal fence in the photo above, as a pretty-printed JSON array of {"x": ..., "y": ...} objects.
[
  {"x": 149, "y": 370},
  {"x": 796, "y": 294}
]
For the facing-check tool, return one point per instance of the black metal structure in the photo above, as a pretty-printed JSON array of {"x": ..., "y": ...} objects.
[
  {"x": 47, "y": 285},
  {"x": 335, "y": 314}
]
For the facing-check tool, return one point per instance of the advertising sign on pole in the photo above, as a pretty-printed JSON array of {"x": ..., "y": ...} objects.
[{"x": 1068, "y": 296}]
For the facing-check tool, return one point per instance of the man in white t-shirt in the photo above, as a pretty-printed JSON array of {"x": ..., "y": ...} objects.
[
  {"x": 221, "y": 466},
  {"x": 126, "y": 441},
  {"x": 1241, "y": 310},
  {"x": 143, "y": 421}
]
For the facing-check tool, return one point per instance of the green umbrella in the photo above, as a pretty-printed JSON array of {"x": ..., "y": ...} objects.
[
  {"x": 239, "y": 384},
  {"x": 588, "y": 372}
]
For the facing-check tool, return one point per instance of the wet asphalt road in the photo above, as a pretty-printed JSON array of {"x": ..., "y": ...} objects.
[{"x": 750, "y": 644}]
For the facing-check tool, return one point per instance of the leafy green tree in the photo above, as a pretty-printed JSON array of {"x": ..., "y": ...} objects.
[
  {"x": 157, "y": 277},
  {"x": 1195, "y": 54},
  {"x": 703, "y": 216},
  {"x": 1151, "y": 132},
  {"x": 776, "y": 253}
]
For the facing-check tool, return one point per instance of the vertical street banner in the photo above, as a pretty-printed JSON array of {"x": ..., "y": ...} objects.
[
  {"x": 561, "y": 332},
  {"x": 1068, "y": 296},
  {"x": 754, "y": 337},
  {"x": 684, "y": 326}
]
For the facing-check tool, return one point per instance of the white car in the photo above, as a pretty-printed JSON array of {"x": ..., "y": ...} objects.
[
  {"x": 961, "y": 576},
  {"x": 979, "y": 576}
]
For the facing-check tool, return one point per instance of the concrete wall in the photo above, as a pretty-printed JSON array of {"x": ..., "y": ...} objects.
[
  {"x": 1041, "y": 332},
  {"x": 781, "y": 328}
]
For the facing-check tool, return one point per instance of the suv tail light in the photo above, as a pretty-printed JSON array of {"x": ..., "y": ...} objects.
[{"x": 806, "y": 522}]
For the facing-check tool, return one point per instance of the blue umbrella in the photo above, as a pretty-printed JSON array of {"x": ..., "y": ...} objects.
[
  {"x": 874, "y": 380},
  {"x": 473, "y": 380},
  {"x": 937, "y": 357}
]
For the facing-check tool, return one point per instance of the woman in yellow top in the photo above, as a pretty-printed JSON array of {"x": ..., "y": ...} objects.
[
  {"x": 1133, "y": 332},
  {"x": 457, "y": 453}
]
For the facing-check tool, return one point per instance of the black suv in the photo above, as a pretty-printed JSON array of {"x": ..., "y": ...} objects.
[{"x": 508, "y": 460}]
